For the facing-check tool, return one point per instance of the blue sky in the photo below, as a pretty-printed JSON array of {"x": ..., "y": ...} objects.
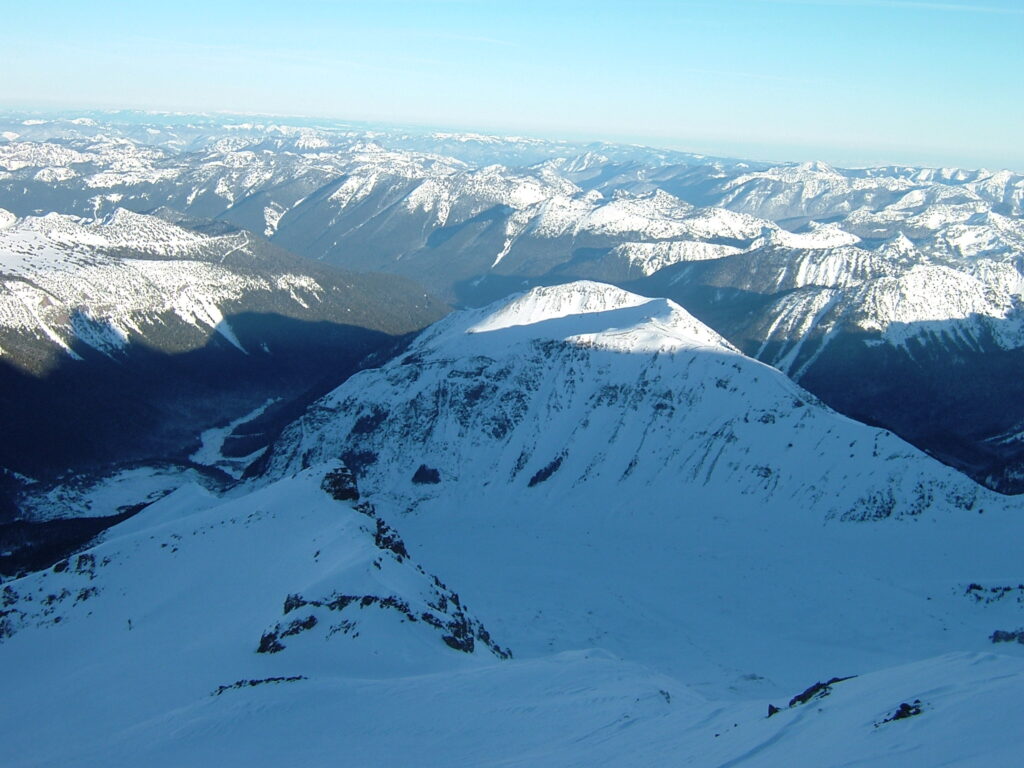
[{"x": 847, "y": 81}]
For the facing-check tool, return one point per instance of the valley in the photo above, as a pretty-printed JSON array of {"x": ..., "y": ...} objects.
[{"x": 329, "y": 441}]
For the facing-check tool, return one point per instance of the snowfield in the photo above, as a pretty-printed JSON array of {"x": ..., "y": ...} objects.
[
  {"x": 583, "y": 530},
  {"x": 145, "y": 650}
]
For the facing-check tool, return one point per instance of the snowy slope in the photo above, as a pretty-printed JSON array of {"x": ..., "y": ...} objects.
[
  {"x": 667, "y": 536},
  {"x": 615, "y": 447},
  {"x": 883, "y": 293},
  {"x": 129, "y": 278},
  {"x": 600, "y": 360},
  {"x": 63, "y": 281},
  {"x": 195, "y": 593}
]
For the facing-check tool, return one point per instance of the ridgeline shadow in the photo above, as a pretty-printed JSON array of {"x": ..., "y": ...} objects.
[{"x": 137, "y": 403}]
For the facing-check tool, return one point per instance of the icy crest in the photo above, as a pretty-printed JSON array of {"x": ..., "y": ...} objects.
[{"x": 600, "y": 315}]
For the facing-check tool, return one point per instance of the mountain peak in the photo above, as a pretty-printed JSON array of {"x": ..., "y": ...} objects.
[
  {"x": 596, "y": 314},
  {"x": 121, "y": 216},
  {"x": 818, "y": 166},
  {"x": 550, "y": 302}
]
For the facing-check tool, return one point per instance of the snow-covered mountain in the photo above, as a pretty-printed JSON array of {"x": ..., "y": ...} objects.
[
  {"x": 138, "y": 333},
  {"x": 131, "y": 278},
  {"x": 648, "y": 537},
  {"x": 892, "y": 293},
  {"x": 556, "y": 367},
  {"x": 920, "y": 339},
  {"x": 598, "y": 416},
  {"x": 395, "y": 201}
]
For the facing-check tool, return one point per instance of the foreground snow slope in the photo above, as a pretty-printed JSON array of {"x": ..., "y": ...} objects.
[
  {"x": 195, "y": 593},
  {"x": 145, "y": 650}
]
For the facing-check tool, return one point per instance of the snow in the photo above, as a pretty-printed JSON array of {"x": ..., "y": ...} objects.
[
  {"x": 128, "y": 606},
  {"x": 272, "y": 216},
  {"x": 895, "y": 291},
  {"x": 821, "y": 236},
  {"x": 668, "y": 535},
  {"x": 650, "y": 257},
  {"x": 68, "y": 278},
  {"x": 55, "y": 175},
  {"x": 927, "y": 298},
  {"x": 543, "y": 304},
  {"x": 302, "y": 289},
  {"x": 618, "y": 320},
  {"x": 27, "y": 154},
  {"x": 722, "y": 222},
  {"x": 121, "y": 229},
  {"x": 354, "y": 189},
  {"x": 657, "y": 216},
  {"x": 789, "y": 191},
  {"x": 658, "y": 589},
  {"x": 210, "y": 451},
  {"x": 89, "y": 496},
  {"x": 432, "y": 195},
  {"x": 582, "y": 709}
]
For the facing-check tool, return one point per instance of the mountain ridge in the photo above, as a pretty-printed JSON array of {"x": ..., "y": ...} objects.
[{"x": 673, "y": 539}]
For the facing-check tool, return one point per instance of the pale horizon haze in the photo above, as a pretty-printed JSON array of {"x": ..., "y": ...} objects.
[{"x": 854, "y": 82}]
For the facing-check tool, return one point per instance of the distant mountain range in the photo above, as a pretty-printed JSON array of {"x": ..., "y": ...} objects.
[
  {"x": 122, "y": 338},
  {"x": 329, "y": 443},
  {"x": 894, "y": 294}
]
